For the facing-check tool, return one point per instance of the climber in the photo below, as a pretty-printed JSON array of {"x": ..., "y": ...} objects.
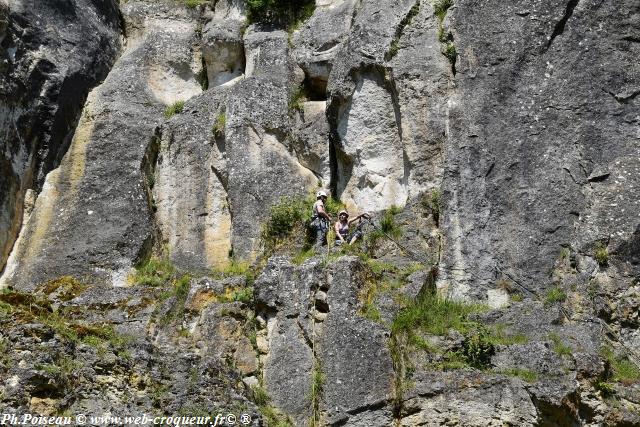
[
  {"x": 342, "y": 228},
  {"x": 320, "y": 220}
]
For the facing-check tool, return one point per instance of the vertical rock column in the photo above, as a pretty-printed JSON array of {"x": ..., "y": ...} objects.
[
  {"x": 262, "y": 164},
  {"x": 93, "y": 219},
  {"x": 387, "y": 96},
  {"x": 50, "y": 57}
]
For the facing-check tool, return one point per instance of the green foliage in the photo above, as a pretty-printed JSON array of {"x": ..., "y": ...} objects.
[
  {"x": 155, "y": 272},
  {"x": 395, "y": 43},
  {"x": 179, "y": 290},
  {"x": 235, "y": 268},
  {"x": 559, "y": 347},
  {"x": 450, "y": 52},
  {"x": 219, "y": 125},
  {"x": 498, "y": 336},
  {"x": 287, "y": 13},
  {"x": 555, "y": 294},
  {"x": 288, "y": 224},
  {"x": 317, "y": 387},
  {"x": 432, "y": 202},
  {"x": 524, "y": 374},
  {"x": 378, "y": 267},
  {"x": 302, "y": 256},
  {"x": 440, "y": 8},
  {"x": 65, "y": 287},
  {"x": 606, "y": 388},
  {"x": 624, "y": 370},
  {"x": 270, "y": 414},
  {"x": 192, "y": 4},
  {"x": 451, "y": 360},
  {"x": 298, "y": 96},
  {"x": 62, "y": 367},
  {"x": 287, "y": 217},
  {"x": 478, "y": 347},
  {"x": 175, "y": 108},
  {"x": 386, "y": 228},
  {"x": 602, "y": 254},
  {"x": 435, "y": 315},
  {"x": 333, "y": 206},
  {"x": 516, "y": 297},
  {"x": 244, "y": 295}
]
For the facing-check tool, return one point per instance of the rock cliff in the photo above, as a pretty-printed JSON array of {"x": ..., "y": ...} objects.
[{"x": 157, "y": 162}]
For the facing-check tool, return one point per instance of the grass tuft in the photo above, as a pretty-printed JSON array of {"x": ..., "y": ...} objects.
[
  {"x": 441, "y": 7},
  {"x": 602, "y": 254},
  {"x": 435, "y": 315},
  {"x": 220, "y": 124},
  {"x": 559, "y": 347},
  {"x": 554, "y": 295},
  {"x": 155, "y": 272},
  {"x": 524, "y": 374},
  {"x": 173, "y": 109}
]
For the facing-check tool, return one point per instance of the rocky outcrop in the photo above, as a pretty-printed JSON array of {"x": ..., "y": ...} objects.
[
  {"x": 539, "y": 144},
  {"x": 90, "y": 220},
  {"x": 387, "y": 94},
  {"x": 493, "y": 144},
  {"x": 316, "y": 342},
  {"x": 50, "y": 58}
]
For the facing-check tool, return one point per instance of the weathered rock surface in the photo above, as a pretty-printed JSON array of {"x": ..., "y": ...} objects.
[
  {"x": 519, "y": 120},
  {"x": 540, "y": 144},
  {"x": 190, "y": 187},
  {"x": 93, "y": 216},
  {"x": 387, "y": 106},
  {"x": 51, "y": 55}
]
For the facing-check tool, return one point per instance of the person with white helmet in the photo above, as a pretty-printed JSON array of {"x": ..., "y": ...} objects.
[
  {"x": 341, "y": 228},
  {"x": 320, "y": 220}
]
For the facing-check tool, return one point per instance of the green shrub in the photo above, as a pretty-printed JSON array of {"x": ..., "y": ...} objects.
[
  {"x": 388, "y": 223},
  {"x": 286, "y": 217},
  {"x": 450, "y": 53},
  {"x": 624, "y": 370},
  {"x": 317, "y": 386},
  {"x": 192, "y": 4},
  {"x": 219, "y": 125},
  {"x": 287, "y": 13},
  {"x": 478, "y": 347},
  {"x": 155, "y": 272},
  {"x": 440, "y": 8},
  {"x": 435, "y": 315},
  {"x": 431, "y": 202},
  {"x": 173, "y": 109},
  {"x": 298, "y": 96},
  {"x": 555, "y": 294},
  {"x": 602, "y": 254}
]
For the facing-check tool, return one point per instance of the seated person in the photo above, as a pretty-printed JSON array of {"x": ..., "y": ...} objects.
[{"x": 342, "y": 228}]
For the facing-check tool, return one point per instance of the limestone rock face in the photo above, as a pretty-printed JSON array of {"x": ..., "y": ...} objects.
[
  {"x": 190, "y": 188},
  {"x": 314, "y": 330},
  {"x": 539, "y": 142},
  {"x": 263, "y": 167},
  {"x": 387, "y": 106},
  {"x": 93, "y": 216},
  {"x": 505, "y": 134},
  {"x": 50, "y": 57}
]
